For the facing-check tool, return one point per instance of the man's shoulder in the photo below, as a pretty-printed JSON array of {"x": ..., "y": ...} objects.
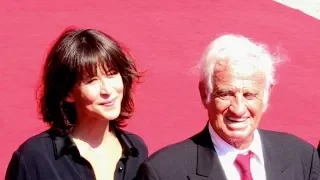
[
  {"x": 182, "y": 152},
  {"x": 172, "y": 161},
  {"x": 285, "y": 140},
  {"x": 175, "y": 153},
  {"x": 291, "y": 150}
]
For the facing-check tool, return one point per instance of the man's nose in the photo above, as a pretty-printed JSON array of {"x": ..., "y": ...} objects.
[{"x": 238, "y": 105}]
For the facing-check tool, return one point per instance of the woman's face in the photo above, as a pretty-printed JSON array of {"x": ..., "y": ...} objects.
[{"x": 98, "y": 97}]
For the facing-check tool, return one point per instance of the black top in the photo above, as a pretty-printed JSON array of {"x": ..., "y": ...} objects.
[{"x": 51, "y": 156}]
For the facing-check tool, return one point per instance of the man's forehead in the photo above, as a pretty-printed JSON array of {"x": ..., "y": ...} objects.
[
  {"x": 239, "y": 78},
  {"x": 226, "y": 75},
  {"x": 239, "y": 69}
]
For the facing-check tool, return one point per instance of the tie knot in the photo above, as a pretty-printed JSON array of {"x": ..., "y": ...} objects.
[{"x": 243, "y": 162}]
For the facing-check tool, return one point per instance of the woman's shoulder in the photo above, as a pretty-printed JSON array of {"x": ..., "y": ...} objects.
[
  {"x": 35, "y": 143},
  {"x": 32, "y": 151},
  {"x": 134, "y": 137},
  {"x": 137, "y": 142}
]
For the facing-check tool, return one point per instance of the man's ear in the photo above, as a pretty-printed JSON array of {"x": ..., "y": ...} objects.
[
  {"x": 69, "y": 98},
  {"x": 265, "y": 106},
  {"x": 270, "y": 89},
  {"x": 203, "y": 93}
]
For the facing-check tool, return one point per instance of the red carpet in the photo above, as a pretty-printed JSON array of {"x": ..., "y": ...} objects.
[{"x": 167, "y": 39}]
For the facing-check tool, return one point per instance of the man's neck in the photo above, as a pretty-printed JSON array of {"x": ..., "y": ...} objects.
[{"x": 235, "y": 143}]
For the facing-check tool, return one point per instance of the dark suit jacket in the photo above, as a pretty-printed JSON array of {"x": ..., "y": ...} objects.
[
  {"x": 286, "y": 158},
  {"x": 319, "y": 149},
  {"x": 49, "y": 156}
]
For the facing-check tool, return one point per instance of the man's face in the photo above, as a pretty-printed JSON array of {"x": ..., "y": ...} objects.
[{"x": 236, "y": 104}]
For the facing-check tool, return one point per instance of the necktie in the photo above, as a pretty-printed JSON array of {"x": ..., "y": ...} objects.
[{"x": 242, "y": 162}]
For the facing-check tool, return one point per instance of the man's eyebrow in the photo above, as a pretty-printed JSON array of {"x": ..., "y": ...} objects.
[{"x": 222, "y": 90}]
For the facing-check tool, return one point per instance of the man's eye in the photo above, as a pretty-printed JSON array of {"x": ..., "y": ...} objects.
[
  {"x": 249, "y": 95},
  {"x": 223, "y": 94}
]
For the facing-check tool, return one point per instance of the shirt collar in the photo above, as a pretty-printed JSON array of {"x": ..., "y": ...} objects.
[
  {"x": 229, "y": 153},
  {"x": 63, "y": 143}
]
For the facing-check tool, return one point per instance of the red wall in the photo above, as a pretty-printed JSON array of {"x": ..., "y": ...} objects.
[{"x": 167, "y": 39}]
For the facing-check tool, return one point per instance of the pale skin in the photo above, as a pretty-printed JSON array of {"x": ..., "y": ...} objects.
[
  {"x": 98, "y": 101},
  {"x": 236, "y": 104}
]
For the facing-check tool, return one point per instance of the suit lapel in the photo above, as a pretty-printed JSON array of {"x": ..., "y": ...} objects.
[
  {"x": 208, "y": 164},
  {"x": 274, "y": 158}
]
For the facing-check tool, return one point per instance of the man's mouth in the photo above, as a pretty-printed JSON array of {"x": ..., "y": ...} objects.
[{"x": 236, "y": 120}]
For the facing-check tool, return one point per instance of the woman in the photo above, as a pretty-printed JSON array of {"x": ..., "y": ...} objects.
[{"x": 86, "y": 96}]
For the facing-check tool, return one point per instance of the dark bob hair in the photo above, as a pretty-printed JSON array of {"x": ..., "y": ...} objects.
[{"x": 75, "y": 54}]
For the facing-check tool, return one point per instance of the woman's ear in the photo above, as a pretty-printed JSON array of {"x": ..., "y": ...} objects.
[{"x": 69, "y": 98}]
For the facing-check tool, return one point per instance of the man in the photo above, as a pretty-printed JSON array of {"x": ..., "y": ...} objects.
[
  {"x": 236, "y": 78},
  {"x": 319, "y": 149}
]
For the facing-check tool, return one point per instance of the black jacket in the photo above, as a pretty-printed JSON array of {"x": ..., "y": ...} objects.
[
  {"x": 319, "y": 149},
  {"x": 286, "y": 157}
]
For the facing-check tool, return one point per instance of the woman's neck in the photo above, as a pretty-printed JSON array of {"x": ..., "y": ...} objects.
[{"x": 95, "y": 134}]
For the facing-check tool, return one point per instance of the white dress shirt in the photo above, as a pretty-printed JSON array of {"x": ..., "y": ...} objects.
[{"x": 227, "y": 155}]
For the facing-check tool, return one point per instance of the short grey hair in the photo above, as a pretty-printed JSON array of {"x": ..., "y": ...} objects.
[{"x": 237, "y": 49}]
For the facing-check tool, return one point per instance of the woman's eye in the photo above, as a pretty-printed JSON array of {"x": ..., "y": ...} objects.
[
  {"x": 91, "y": 80},
  {"x": 112, "y": 73}
]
